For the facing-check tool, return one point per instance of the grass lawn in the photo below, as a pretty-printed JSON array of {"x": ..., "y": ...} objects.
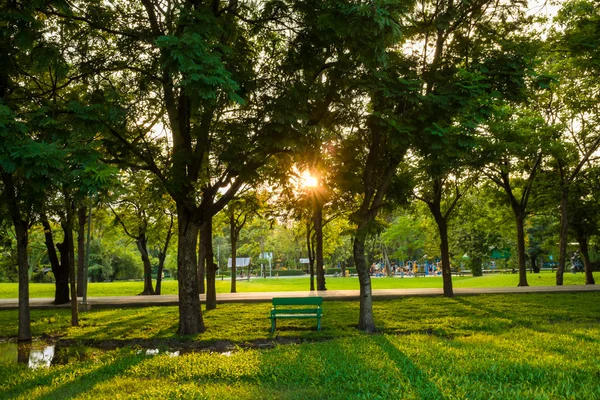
[
  {"x": 546, "y": 278},
  {"x": 534, "y": 346}
]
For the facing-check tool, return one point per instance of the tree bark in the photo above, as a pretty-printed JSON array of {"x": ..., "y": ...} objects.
[
  {"x": 233, "y": 235},
  {"x": 366, "y": 320},
  {"x": 444, "y": 248},
  {"x": 81, "y": 221},
  {"x": 24, "y": 333},
  {"x": 534, "y": 266},
  {"x": 162, "y": 255},
  {"x": 583, "y": 247},
  {"x": 211, "y": 267},
  {"x": 520, "y": 220},
  {"x": 61, "y": 273},
  {"x": 564, "y": 227},
  {"x": 68, "y": 255},
  {"x": 311, "y": 259},
  {"x": 190, "y": 314},
  {"x": 318, "y": 224},
  {"x": 142, "y": 245},
  {"x": 201, "y": 260}
]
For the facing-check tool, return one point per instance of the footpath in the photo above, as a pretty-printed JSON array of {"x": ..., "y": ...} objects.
[{"x": 261, "y": 297}]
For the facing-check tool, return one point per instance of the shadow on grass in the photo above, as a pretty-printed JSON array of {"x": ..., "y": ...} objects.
[
  {"x": 125, "y": 323},
  {"x": 513, "y": 318},
  {"x": 82, "y": 383},
  {"x": 417, "y": 378}
]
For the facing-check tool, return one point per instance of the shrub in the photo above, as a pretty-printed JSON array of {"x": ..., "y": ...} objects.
[
  {"x": 42, "y": 277},
  {"x": 288, "y": 272},
  {"x": 100, "y": 273}
]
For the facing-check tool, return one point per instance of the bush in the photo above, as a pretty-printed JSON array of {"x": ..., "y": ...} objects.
[
  {"x": 100, "y": 273},
  {"x": 288, "y": 272},
  {"x": 42, "y": 277}
]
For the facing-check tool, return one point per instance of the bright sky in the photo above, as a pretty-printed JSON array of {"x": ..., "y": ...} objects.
[{"x": 544, "y": 7}]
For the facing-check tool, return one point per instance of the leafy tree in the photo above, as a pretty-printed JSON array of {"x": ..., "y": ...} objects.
[
  {"x": 139, "y": 207},
  {"x": 239, "y": 211},
  {"x": 200, "y": 70},
  {"x": 27, "y": 160},
  {"x": 406, "y": 236},
  {"x": 575, "y": 106},
  {"x": 584, "y": 218},
  {"x": 514, "y": 158}
]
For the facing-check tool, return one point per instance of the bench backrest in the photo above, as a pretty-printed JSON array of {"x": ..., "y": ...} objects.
[{"x": 297, "y": 301}]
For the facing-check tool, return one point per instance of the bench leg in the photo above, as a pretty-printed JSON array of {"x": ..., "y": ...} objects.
[
  {"x": 272, "y": 325},
  {"x": 318, "y": 323}
]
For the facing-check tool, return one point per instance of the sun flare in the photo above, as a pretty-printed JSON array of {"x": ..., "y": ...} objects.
[{"x": 308, "y": 180}]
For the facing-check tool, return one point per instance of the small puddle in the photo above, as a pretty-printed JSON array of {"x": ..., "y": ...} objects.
[
  {"x": 35, "y": 355},
  {"x": 44, "y": 354},
  {"x": 155, "y": 352}
]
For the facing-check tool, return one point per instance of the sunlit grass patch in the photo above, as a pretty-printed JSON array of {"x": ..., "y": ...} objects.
[{"x": 482, "y": 347}]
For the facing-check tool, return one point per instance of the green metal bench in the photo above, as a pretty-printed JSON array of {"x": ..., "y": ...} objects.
[{"x": 295, "y": 307}]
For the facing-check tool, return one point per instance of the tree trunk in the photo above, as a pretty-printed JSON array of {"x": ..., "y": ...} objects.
[
  {"x": 142, "y": 245},
  {"x": 81, "y": 221},
  {"x": 534, "y": 266},
  {"x": 366, "y": 321},
  {"x": 61, "y": 274},
  {"x": 161, "y": 265},
  {"x": 583, "y": 247},
  {"x": 190, "y": 314},
  {"x": 311, "y": 259},
  {"x": 162, "y": 255},
  {"x": 201, "y": 260},
  {"x": 564, "y": 226},
  {"x": 442, "y": 224},
  {"x": 234, "y": 237},
  {"x": 318, "y": 223},
  {"x": 24, "y": 333},
  {"x": 68, "y": 256},
  {"x": 211, "y": 267},
  {"x": 520, "y": 220}
]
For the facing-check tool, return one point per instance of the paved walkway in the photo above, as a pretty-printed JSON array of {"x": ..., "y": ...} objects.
[{"x": 258, "y": 297}]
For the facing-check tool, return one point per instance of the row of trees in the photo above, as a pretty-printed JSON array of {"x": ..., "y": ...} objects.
[
  {"x": 383, "y": 100},
  {"x": 405, "y": 234}
]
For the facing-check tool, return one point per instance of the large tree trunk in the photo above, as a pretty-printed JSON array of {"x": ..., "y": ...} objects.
[
  {"x": 366, "y": 321},
  {"x": 211, "y": 267},
  {"x": 318, "y": 223},
  {"x": 311, "y": 259},
  {"x": 583, "y": 247},
  {"x": 81, "y": 221},
  {"x": 190, "y": 314},
  {"x": 201, "y": 260},
  {"x": 68, "y": 256},
  {"x": 233, "y": 236},
  {"x": 142, "y": 245},
  {"x": 520, "y": 220},
  {"x": 24, "y": 333},
  {"x": 444, "y": 248},
  {"x": 564, "y": 226},
  {"x": 61, "y": 274}
]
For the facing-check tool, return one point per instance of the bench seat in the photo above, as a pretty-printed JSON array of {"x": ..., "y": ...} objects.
[{"x": 294, "y": 307}]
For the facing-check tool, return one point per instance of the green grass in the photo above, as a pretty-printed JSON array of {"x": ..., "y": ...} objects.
[
  {"x": 46, "y": 290},
  {"x": 534, "y": 346}
]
